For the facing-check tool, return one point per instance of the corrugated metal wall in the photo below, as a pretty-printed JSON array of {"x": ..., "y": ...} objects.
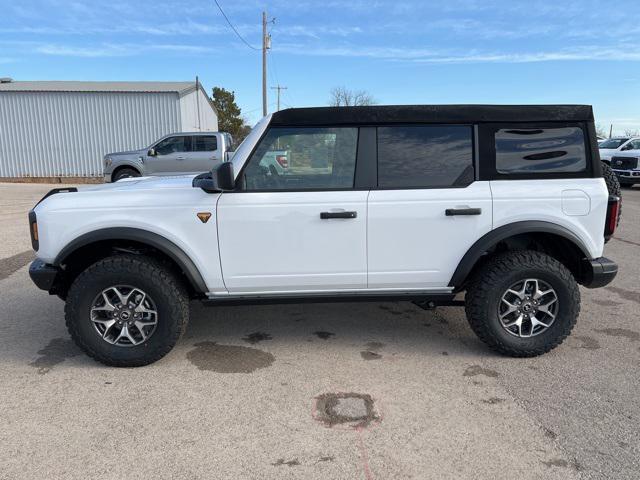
[{"x": 51, "y": 134}]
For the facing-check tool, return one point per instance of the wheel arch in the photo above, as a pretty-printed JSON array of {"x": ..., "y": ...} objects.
[
  {"x": 128, "y": 239},
  {"x": 551, "y": 238},
  {"x": 128, "y": 165}
]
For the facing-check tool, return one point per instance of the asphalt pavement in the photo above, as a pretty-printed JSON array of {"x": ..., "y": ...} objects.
[{"x": 327, "y": 391}]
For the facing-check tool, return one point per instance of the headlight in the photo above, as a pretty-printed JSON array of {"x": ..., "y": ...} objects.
[{"x": 107, "y": 161}]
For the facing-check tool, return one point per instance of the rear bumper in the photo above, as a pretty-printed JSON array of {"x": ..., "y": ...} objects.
[
  {"x": 43, "y": 274},
  {"x": 598, "y": 272}
]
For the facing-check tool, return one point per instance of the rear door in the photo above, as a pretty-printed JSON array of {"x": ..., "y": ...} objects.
[
  {"x": 428, "y": 209},
  {"x": 205, "y": 153},
  {"x": 303, "y": 229}
]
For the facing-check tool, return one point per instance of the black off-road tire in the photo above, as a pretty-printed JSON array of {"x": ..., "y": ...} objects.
[
  {"x": 169, "y": 294},
  {"x": 613, "y": 185},
  {"x": 125, "y": 173},
  {"x": 487, "y": 286}
]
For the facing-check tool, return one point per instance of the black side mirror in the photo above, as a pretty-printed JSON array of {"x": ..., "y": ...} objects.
[
  {"x": 224, "y": 174},
  {"x": 218, "y": 180},
  {"x": 152, "y": 152}
]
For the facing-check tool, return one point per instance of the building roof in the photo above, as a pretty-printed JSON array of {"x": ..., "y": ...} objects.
[
  {"x": 431, "y": 114},
  {"x": 75, "y": 86}
]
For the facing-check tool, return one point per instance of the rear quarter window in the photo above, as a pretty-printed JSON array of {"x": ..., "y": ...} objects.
[{"x": 540, "y": 150}]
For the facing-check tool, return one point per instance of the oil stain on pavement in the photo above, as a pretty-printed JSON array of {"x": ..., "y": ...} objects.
[
  {"x": 588, "y": 343},
  {"x": 474, "y": 370},
  {"x": 324, "y": 335},
  {"x": 57, "y": 351},
  {"x": 291, "y": 463},
  {"x": 620, "y": 332},
  {"x": 257, "y": 337},
  {"x": 213, "y": 357},
  {"x": 371, "y": 352},
  {"x": 630, "y": 295},
  {"x": 10, "y": 265}
]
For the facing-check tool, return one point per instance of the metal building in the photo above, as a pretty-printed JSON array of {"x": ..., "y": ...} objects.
[{"x": 63, "y": 129}]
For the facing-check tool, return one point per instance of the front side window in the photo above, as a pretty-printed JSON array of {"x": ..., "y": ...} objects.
[
  {"x": 540, "y": 150},
  {"x": 205, "y": 143},
  {"x": 425, "y": 156},
  {"x": 303, "y": 159},
  {"x": 613, "y": 142},
  {"x": 173, "y": 145}
]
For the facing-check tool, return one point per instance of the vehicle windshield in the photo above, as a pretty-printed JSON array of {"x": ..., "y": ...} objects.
[{"x": 612, "y": 142}]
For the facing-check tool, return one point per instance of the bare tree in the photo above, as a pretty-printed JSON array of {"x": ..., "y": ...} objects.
[
  {"x": 601, "y": 131},
  {"x": 343, "y": 97},
  {"x": 631, "y": 133}
]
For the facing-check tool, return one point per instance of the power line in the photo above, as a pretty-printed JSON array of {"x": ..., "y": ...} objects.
[{"x": 234, "y": 28}]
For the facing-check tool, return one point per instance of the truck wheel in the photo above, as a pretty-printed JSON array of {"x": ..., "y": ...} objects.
[
  {"x": 126, "y": 310},
  {"x": 125, "y": 173},
  {"x": 522, "y": 303},
  {"x": 613, "y": 185}
]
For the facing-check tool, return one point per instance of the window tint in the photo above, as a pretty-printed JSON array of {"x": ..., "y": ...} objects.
[
  {"x": 303, "y": 158},
  {"x": 540, "y": 150},
  {"x": 205, "y": 143},
  {"x": 173, "y": 145},
  {"x": 425, "y": 156}
]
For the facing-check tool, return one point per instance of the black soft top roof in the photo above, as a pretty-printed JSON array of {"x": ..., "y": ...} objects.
[{"x": 432, "y": 114}]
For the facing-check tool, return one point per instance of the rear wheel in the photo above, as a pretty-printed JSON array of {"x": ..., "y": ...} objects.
[
  {"x": 522, "y": 303},
  {"x": 125, "y": 173},
  {"x": 126, "y": 311}
]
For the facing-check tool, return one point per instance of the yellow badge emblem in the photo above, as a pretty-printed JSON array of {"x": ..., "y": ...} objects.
[{"x": 204, "y": 216}]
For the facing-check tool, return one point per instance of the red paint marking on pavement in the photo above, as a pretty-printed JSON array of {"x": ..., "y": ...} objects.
[{"x": 363, "y": 455}]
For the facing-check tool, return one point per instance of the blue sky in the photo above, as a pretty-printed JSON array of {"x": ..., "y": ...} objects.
[{"x": 431, "y": 51}]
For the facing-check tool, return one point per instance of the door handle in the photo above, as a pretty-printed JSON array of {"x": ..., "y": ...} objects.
[
  {"x": 449, "y": 212},
  {"x": 180, "y": 158},
  {"x": 328, "y": 215}
]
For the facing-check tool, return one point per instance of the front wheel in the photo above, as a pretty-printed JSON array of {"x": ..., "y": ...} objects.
[
  {"x": 125, "y": 173},
  {"x": 522, "y": 303},
  {"x": 126, "y": 310}
]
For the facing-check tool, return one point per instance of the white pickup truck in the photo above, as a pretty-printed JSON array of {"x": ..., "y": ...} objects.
[{"x": 416, "y": 203}]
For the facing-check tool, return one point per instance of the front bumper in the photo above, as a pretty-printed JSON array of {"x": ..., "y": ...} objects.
[
  {"x": 43, "y": 275},
  {"x": 631, "y": 175},
  {"x": 107, "y": 178},
  {"x": 598, "y": 272}
]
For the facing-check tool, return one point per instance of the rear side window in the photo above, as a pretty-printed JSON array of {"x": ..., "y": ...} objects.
[
  {"x": 425, "y": 156},
  {"x": 540, "y": 150},
  {"x": 204, "y": 143}
]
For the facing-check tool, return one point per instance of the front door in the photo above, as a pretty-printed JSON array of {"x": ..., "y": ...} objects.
[
  {"x": 428, "y": 209},
  {"x": 299, "y": 230},
  {"x": 171, "y": 156}
]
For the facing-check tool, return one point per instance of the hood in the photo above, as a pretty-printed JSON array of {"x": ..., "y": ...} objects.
[
  {"x": 141, "y": 151},
  {"x": 143, "y": 183}
]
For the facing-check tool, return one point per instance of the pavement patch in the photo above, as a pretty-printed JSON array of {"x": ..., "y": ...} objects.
[
  {"x": 257, "y": 337},
  {"x": 474, "y": 370},
  {"x": 10, "y": 265},
  {"x": 620, "y": 332},
  {"x": 57, "y": 351},
  {"x": 352, "y": 409},
  {"x": 213, "y": 357}
]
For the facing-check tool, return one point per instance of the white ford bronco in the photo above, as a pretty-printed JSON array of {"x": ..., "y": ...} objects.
[{"x": 419, "y": 203}]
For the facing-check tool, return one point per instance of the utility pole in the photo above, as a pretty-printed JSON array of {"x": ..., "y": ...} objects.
[
  {"x": 278, "y": 88},
  {"x": 610, "y": 130},
  {"x": 266, "y": 45}
]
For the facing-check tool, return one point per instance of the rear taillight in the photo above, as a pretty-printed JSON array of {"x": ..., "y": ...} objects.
[
  {"x": 33, "y": 230},
  {"x": 282, "y": 160},
  {"x": 613, "y": 210}
]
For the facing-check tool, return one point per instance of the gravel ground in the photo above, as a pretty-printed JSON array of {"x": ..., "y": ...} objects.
[{"x": 367, "y": 391}]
